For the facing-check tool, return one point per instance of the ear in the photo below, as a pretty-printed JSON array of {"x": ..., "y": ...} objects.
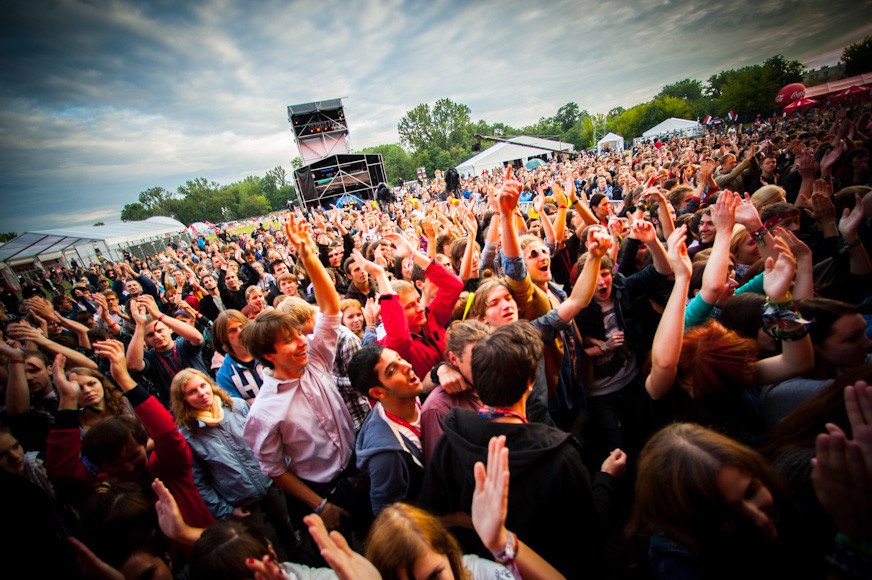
[
  {"x": 270, "y": 357},
  {"x": 453, "y": 360},
  {"x": 377, "y": 393}
]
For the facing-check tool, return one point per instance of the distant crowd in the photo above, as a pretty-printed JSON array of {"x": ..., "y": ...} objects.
[{"x": 641, "y": 363}]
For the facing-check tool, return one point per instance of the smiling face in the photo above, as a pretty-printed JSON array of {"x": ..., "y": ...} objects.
[
  {"x": 131, "y": 463},
  {"x": 291, "y": 353},
  {"x": 198, "y": 394},
  {"x": 706, "y": 230},
  {"x": 748, "y": 252},
  {"x": 256, "y": 299}
]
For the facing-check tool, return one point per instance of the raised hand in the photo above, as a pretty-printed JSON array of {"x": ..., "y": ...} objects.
[
  {"x": 851, "y": 220},
  {"x": 724, "y": 212},
  {"x": 677, "y": 253},
  {"x": 842, "y": 468},
  {"x": 599, "y": 242},
  {"x": 778, "y": 274},
  {"x": 348, "y": 564},
  {"x": 68, "y": 389},
  {"x": 644, "y": 231},
  {"x": 404, "y": 246},
  {"x": 490, "y": 500},
  {"x": 299, "y": 233}
]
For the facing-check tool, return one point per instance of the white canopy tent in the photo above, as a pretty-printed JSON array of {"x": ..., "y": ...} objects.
[
  {"x": 521, "y": 148},
  {"x": 610, "y": 141},
  {"x": 85, "y": 243},
  {"x": 673, "y": 126}
]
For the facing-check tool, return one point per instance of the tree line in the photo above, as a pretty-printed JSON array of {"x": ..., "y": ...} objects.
[
  {"x": 203, "y": 200},
  {"x": 443, "y": 136}
]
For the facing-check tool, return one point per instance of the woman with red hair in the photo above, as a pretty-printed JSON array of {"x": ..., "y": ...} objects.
[{"x": 713, "y": 365}]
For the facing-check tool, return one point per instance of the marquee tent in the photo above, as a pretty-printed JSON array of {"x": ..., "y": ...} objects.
[
  {"x": 521, "y": 148},
  {"x": 673, "y": 126},
  {"x": 610, "y": 141},
  {"x": 85, "y": 243}
]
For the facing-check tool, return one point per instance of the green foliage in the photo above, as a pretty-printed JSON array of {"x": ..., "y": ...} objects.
[
  {"x": 858, "y": 57},
  {"x": 688, "y": 90},
  {"x": 445, "y": 126},
  {"x": 134, "y": 212},
  {"x": 567, "y": 116},
  {"x": 6, "y": 236},
  {"x": 253, "y": 205},
  {"x": 398, "y": 162}
]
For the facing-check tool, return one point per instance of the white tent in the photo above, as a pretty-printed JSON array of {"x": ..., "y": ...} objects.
[
  {"x": 83, "y": 243},
  {"x": 674, "y": 126},
  {"x": 521, "y": 148},
  {"x": 610, "y": 141}
]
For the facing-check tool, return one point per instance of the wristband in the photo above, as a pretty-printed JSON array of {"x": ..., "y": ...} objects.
[
  {"x": 434, "y": 376},
  {"x": 783, "y": 321},
  {"x": 846, "y": 246},
  {"x": 561, "y": 207},
  {"x": 321, "y": 506},
  {"x": 161, "y": 317},
  {"x": 759, "y": 235},
  {"x": 509, "y": 551}
]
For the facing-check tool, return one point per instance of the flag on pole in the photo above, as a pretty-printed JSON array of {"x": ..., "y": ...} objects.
[
  {"x": 707, "y": 120},
  {"x": 732, "y": 116}
]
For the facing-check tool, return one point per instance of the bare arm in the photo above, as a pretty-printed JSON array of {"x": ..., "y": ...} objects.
[
  {"x": 325, "y": 292},
  {"x": 598, "y": 243},
  {"x": 17, "y": 392},
  {"x": 715, "y": 274},
  {"x": 182, "y": 329},
  {"x": 667, "y": 340}
]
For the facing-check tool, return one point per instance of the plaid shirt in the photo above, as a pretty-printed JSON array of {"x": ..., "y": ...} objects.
[{"x": 358, "y": 406}]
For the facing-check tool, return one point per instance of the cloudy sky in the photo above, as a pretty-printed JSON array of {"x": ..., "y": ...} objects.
[{"x": 101, "y": 99}]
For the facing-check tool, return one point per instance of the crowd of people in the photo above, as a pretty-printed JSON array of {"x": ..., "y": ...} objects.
[{"x": 649, "y": 363}]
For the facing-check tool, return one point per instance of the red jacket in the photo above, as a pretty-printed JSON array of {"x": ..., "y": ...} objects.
[
  {"x": 171, "y": 460},
  {"x": 424, "y": 350}
]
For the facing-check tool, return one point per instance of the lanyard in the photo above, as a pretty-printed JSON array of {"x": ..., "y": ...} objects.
[
  {"x": 499, "y": 413},
  {"x": 403, "y": 423},
  {"x": 175, "y": 360}
]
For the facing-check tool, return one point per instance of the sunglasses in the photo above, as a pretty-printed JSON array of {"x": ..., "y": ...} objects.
[{"x": 535, "y": 253}]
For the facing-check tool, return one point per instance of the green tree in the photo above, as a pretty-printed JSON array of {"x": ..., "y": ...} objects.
[
  {"x": 858, "y": 57},
  {"x": 6, "y": 236},
  {"x": 567, "y": 116},
  {"x": 134, "y": 212},
  {"x": 688, "y": 90},
  {"x": 446, "y": 125},
  {"x": 296, "y": 163},
  {"x": 398, "y": 162},
  {"x": 784, "y": 71},
  {"x": 253, "y": 206}
]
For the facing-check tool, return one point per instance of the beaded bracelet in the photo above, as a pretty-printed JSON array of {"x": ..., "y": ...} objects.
[{"x": 846, "y": 246}]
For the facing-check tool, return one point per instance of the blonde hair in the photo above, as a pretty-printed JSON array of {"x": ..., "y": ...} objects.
[
  {"x": 299, "y": 310},
  {"x": 767, "y": 195},
  {"x": 183, "y": 413},
  {"x": 402, "y": 534}
]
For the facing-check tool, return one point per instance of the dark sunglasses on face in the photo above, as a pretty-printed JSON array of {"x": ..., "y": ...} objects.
[{"x": 534, "y": 254}]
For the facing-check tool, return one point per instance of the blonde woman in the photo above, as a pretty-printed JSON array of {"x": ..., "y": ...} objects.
[{"x": 226, "y": 473}]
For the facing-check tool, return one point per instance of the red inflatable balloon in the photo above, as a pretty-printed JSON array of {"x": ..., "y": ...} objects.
[{"x": 790, "y": 93}]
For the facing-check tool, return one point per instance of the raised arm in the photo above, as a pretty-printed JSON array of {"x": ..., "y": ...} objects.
[
  {"x": 17, "y": 392},
  {"x": 598, "y": 244},
  {"x": 667, "y": 340},
  {"x": 471, "y": 225},
  {"x": 490, "y": 502},
  {"x": 849, "y": 225},
  {"x": 136, "y": 346},
  {"x": 782, "y": 320},
  {"x": 644, "y": 231},
  {"x": 183, "y": 329},
  {"x": 746, "y": 215},
  {"x": 299, "y": 234},
  {"x": 715, "y": 275}
]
